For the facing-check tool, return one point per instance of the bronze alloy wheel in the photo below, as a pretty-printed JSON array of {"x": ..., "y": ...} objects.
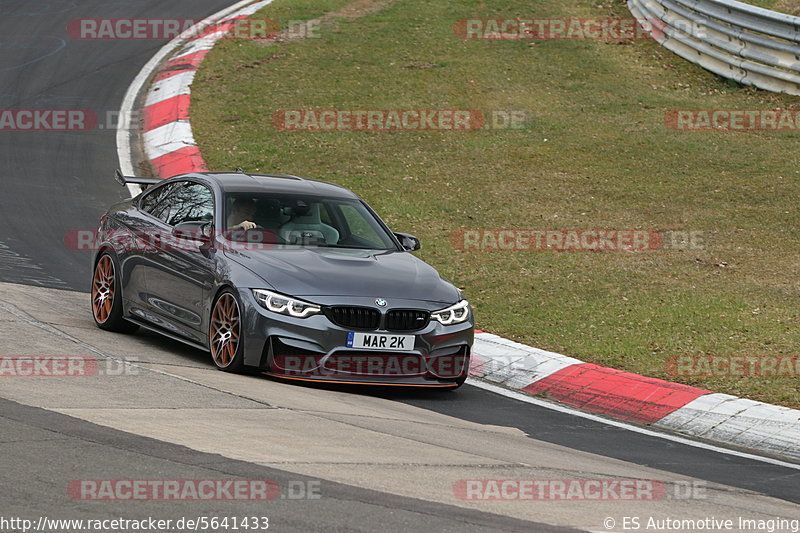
[
  {"x": 103, "y": 289},
  {"x": 225, "y": 330}
]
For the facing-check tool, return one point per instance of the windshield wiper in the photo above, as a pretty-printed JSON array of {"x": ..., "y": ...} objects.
[{"x": 353, "y": 247}]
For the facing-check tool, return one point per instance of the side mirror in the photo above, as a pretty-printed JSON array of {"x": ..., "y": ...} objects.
[
  {"x": 196, "y": 230},
  {"x": 408, "y": 242}
]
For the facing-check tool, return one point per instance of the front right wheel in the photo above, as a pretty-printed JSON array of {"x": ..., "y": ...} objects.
[{"x": 225, "y": 333}]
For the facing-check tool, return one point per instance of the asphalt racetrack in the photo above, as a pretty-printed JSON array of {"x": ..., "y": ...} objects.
[{"x": 382, "y": 460}]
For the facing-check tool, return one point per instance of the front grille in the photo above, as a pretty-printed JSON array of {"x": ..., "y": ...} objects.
[
  {"x": 354, "y": 317},
  {"x": 407, "y": 319}
]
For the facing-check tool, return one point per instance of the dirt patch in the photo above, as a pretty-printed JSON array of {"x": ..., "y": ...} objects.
[
  {"x": 360, "y": 8},
  {"x": 357, "y": 9},
  {"x": 788, "y": 6}
]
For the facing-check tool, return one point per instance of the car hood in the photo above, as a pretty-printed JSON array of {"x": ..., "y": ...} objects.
[{"x": 345, "y": 272}]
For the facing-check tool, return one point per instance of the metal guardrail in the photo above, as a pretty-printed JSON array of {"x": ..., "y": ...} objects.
[{"x": 748, "y": 44}]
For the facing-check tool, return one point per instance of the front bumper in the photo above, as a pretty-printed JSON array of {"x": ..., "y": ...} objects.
[{"x": 315, "y": 349}]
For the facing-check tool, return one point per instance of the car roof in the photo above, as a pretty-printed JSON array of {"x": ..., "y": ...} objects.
[{"x": 237, "y": 182}]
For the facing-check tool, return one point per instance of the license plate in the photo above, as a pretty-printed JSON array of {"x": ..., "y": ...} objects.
[{"x": 373, "y": 341}]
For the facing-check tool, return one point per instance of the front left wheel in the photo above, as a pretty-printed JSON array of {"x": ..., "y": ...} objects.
[
  {"x": 225, "y": 332},
  {"x": 107, "y": 297}
]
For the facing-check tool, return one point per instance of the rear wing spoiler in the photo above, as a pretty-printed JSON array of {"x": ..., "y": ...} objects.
[{"x": 125, "y": 180}]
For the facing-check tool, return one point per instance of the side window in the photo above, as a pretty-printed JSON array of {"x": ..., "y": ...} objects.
[
  {"x": 359, "y": 227},
  {"x": 324, "y": 216},
  {"x": 155, "y": 198},
  {"x": 187, "y": 202}
]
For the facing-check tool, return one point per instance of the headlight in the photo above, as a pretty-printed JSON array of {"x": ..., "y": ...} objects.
[
  {"x": 285, "y": 305},
  {"x": 455, "y": 314}
]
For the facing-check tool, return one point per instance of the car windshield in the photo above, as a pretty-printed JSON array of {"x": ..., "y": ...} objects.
[{"x": 295, "y": 220}]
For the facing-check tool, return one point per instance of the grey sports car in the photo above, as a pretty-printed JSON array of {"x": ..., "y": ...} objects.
[{"x": 293, "y": 277}]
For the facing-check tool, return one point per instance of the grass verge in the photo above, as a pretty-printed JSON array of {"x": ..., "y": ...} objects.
[{"x": 595, "y": 155}]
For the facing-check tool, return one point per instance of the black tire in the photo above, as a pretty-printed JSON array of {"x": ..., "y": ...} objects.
[
  {"x": 226, "y": 342},
  {"x": 106, "y": 297}
]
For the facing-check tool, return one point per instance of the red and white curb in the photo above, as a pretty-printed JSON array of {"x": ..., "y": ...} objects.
[
  {"x": 623, "y": 395},
  {"x": 171, "y": 149},
  {"x": 167, "y": 136}
]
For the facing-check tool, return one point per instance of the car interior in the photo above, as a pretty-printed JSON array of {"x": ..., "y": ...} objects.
[{"x": 296, "y": 222}]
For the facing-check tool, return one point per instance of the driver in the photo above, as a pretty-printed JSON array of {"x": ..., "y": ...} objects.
[{"x": 242, "y": 213}]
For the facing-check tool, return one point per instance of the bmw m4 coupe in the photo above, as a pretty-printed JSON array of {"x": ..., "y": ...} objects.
[{"x": 296, "y": 278}]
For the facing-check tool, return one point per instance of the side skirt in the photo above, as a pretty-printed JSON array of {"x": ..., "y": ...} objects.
[{"x": 156, "y": 329}]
